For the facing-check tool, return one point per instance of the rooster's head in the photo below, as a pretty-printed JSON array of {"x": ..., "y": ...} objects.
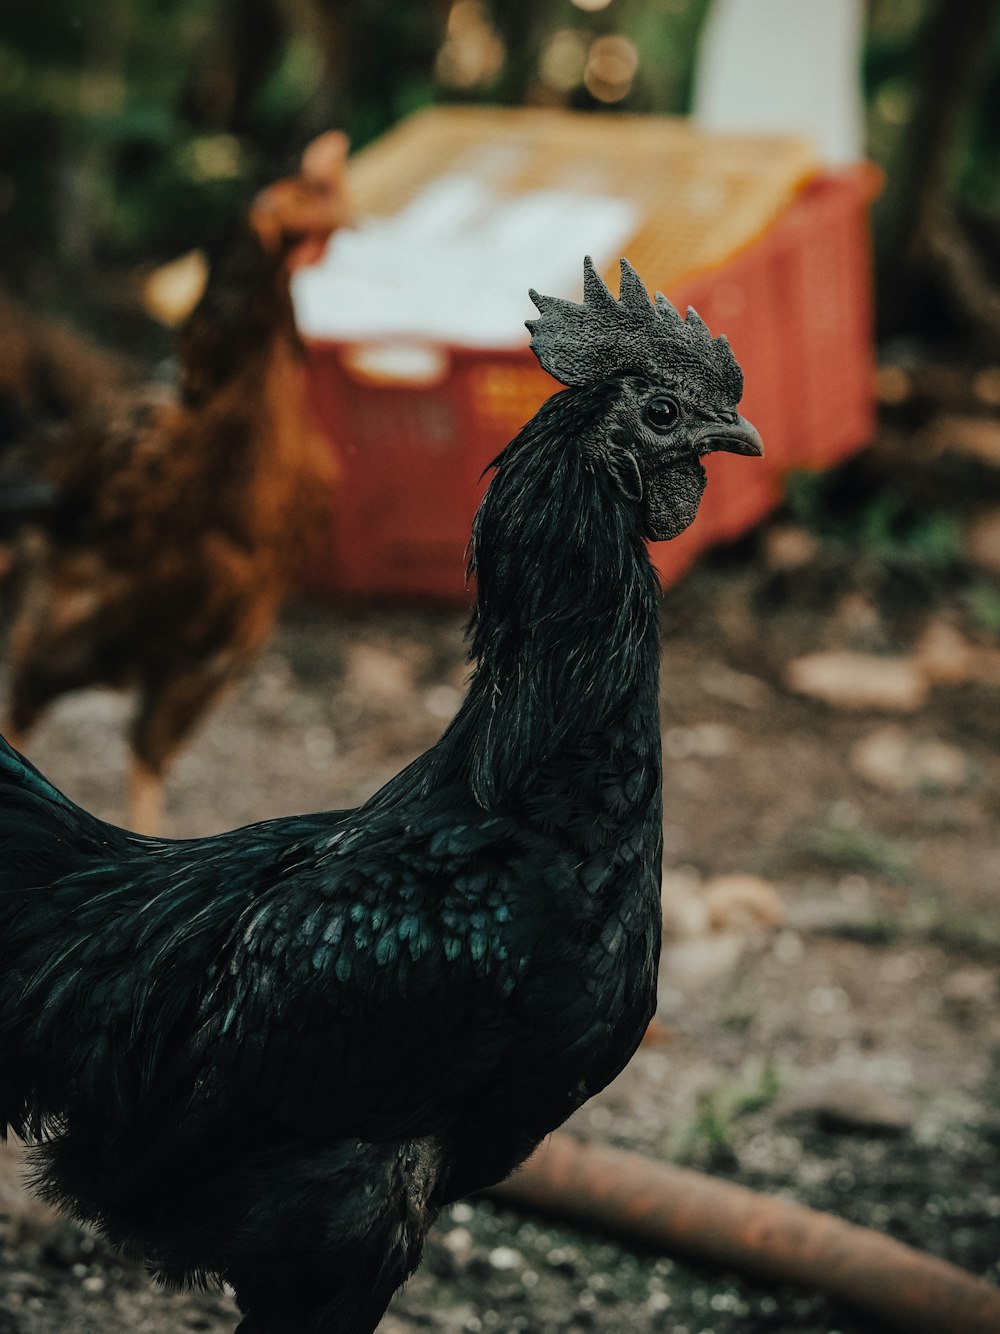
[{"x": 675, "y": 391}]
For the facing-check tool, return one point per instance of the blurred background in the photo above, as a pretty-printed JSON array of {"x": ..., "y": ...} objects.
[
  {"x": 131, "y": 129},
  {"x": 831, "y": 689}
]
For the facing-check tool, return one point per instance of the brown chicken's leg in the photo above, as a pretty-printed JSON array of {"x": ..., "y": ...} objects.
[
  {"x": 14, "y": 737},
  {"x": 145, "y": 798},
  {"x": 167, "y": 714}
]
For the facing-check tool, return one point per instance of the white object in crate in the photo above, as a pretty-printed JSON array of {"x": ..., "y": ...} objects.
[
  {"x": 791, "y": 66},
  {"x": 454, "y": 266}
]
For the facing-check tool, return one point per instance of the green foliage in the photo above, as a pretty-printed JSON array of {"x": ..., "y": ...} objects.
[
  {"x": 850, "y": 847},
  {"x": 711, "y": 1124},
  {"x": 963, "y": 930},
  {"x": 877, "y": 931},
  {"x": 881, "y": 523},
  {"x": 718, "y": 1109},
  {"x": 889, "y": 74},
  {"x": 94, "y": 131},
  {"x": 982, "y": 601},
  {"x": 130, "y": 128},
  {"x": 930, "y": 916}
]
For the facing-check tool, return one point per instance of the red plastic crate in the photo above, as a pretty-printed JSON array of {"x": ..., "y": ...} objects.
[{"x": 796, "y": 304}]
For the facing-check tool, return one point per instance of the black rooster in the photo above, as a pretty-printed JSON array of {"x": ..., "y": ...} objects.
[{"x": 272, "y": 1056}]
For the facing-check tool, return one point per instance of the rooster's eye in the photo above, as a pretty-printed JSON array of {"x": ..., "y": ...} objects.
[{"x": 662, "y": 413}]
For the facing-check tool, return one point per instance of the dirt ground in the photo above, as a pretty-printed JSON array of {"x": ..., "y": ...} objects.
[{"x": 828, "y": 1029}]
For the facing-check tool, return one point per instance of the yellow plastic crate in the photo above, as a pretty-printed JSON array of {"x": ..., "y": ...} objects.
[{"x": 702, "y": 195}]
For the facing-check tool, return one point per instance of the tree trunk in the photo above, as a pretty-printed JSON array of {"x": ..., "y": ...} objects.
[{"x": 924, "y": 250}]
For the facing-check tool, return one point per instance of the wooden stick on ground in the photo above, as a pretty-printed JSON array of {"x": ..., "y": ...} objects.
[{"x": 672, "y": 1209}]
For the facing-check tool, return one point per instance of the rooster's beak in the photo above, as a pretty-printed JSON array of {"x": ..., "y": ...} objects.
[{"x": 739, "y": 437}]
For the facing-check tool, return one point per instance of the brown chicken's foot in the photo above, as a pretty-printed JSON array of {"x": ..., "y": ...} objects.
[{"x": 145, "y": 799}]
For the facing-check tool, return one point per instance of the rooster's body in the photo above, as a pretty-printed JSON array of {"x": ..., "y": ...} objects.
[{"x": 273, "y": 1055}]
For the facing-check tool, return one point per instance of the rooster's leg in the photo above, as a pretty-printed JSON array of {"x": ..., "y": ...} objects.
[{"x": 352, "y": 1219}]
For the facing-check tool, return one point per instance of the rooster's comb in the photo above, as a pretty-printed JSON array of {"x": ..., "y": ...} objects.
[{"x": 605, "y": 336}]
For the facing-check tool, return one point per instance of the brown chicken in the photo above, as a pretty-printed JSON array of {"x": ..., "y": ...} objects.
[
  {"x": 49, "y": 377},
  {"x": 181, "y": 520},
  {"x": 49, "y": 374}
]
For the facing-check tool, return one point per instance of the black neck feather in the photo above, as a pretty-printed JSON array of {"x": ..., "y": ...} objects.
[{"x": 565, "y": 632}]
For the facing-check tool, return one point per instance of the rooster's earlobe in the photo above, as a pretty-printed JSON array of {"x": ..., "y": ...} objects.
[{"x": 625, "y": 474}]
